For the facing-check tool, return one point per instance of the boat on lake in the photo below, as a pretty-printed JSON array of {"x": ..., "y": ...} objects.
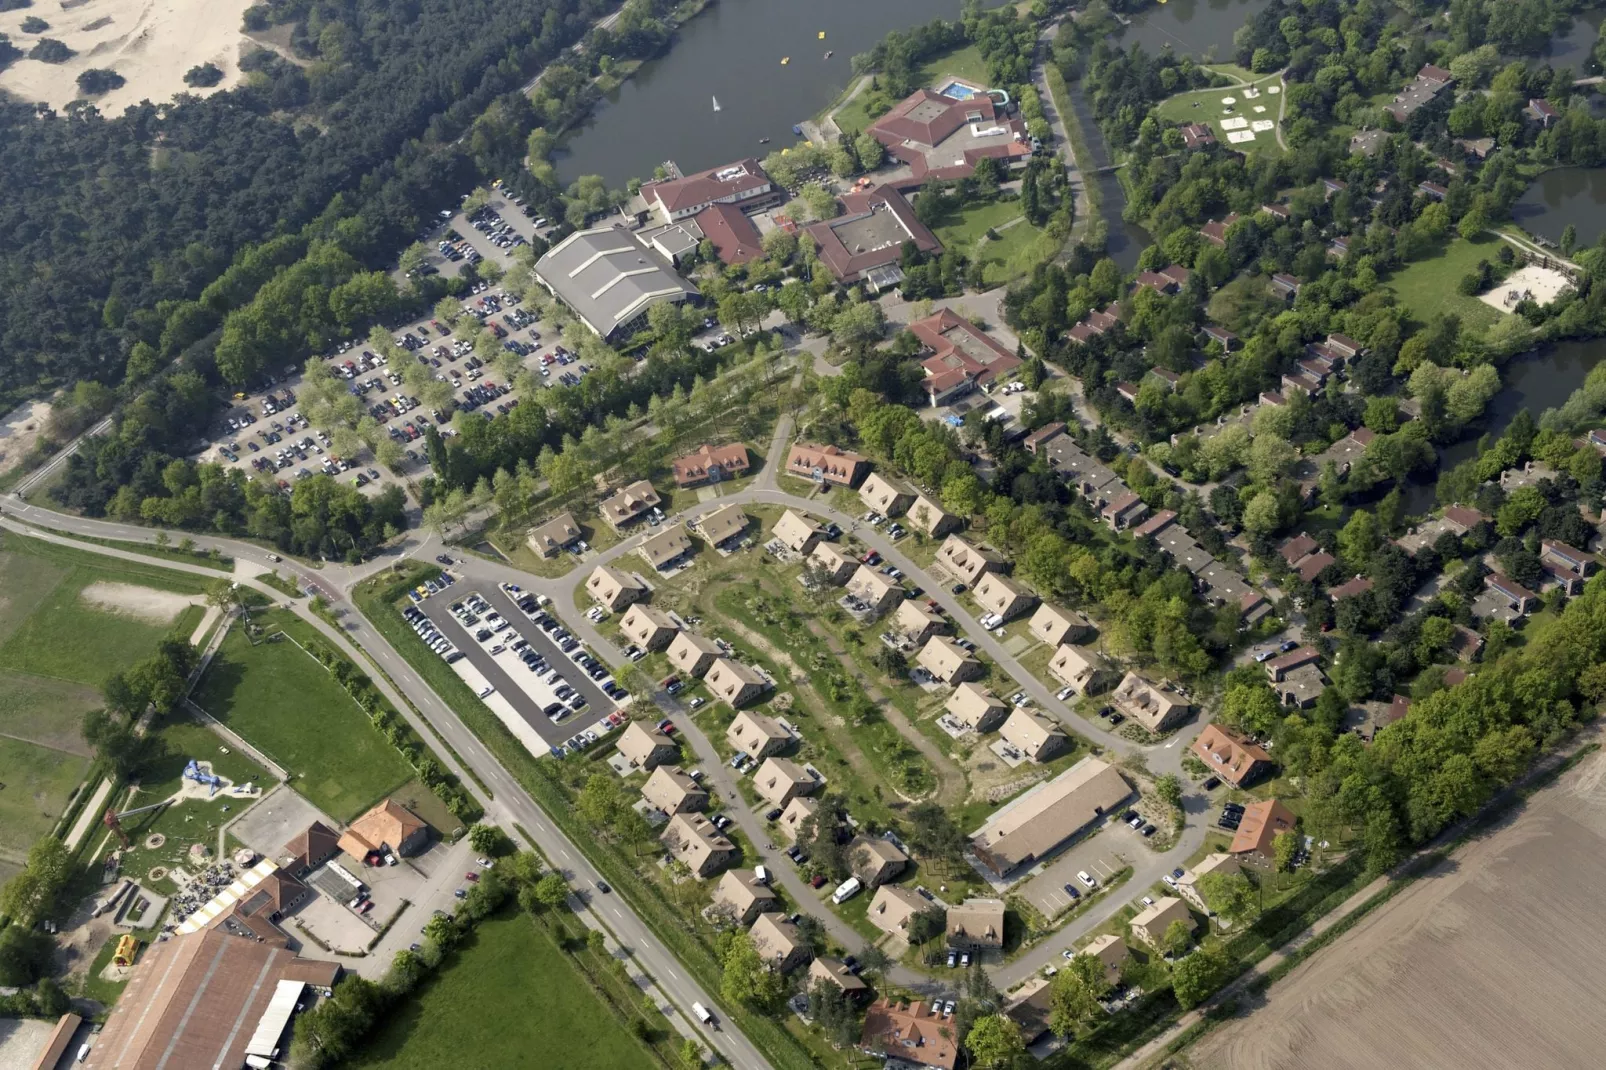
[{"x": 716, "y": 103}]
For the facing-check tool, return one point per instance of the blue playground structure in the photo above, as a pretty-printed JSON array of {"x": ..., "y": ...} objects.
[{"x": 192, "y": 771}]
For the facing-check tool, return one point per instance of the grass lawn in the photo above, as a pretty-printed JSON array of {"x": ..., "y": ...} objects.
[
  {"x": 478, "y": 1010},
  {"x": 1204, "y": 106},
  {"x": 1018, "y": 247},
  {"x": 38, "y": 782},
  {"x": 1427, "y": 287},
  {"x": 282, "y": 700},
  {"x": 45, "y": 711}
]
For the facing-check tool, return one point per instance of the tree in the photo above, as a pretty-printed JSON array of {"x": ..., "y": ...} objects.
[
  {"x": 114, "y": 740},
  {"x": 1196, "y": 977},
  {"x": 1284, "y": 846},
  {"x": 1229, "y": 895},
  {"x": 552, "y": 891},
  {"x": 995, "y": 1042},
  {"x": 487, "y": 839},
  {"x": 1169, "y": 789},
  {"x": 1178, "y": 937},
  {"x": 1075, "y": 993},
  {"x": 746, "y": 977}
]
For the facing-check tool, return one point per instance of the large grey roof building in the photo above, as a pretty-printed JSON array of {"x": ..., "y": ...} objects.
[{"x": 609, "y": 278}]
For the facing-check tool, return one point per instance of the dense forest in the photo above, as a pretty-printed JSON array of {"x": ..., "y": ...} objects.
[{"x": 115, "y": 224}]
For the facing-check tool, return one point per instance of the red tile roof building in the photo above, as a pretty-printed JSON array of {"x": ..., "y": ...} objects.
[
  {"x": 736, "y": 240},
  {"x": 956, "y": 344},
  {"x": 826, "y": 464},
  {"x": 710, "y": 464},
  {"x": 939, "y": 137},
  {"x": 912, "y": 1032},
  {"x": 871, "y": 233},
  {"x": 734, "y": 183}
]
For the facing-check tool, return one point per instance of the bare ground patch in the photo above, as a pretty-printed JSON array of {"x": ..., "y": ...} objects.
[
  {"x": 19, "y": 430},
  {"x": 146, "y": 603},
  {"x": 1495, "y": 959}
]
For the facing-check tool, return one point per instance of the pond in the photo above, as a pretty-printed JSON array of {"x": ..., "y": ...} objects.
[
  {"x": 1575, "y": 195},
  {"x": 732, "y": 53},
  {"x": 1199, "y": 28},
  {"x": 1573, "y": 47}
]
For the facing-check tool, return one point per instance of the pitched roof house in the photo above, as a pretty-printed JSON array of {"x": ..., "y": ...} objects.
[
  {"x": 1034, "y": 735},
  {"x": 614, "y": 589},
  {"x": 779, "y": 781},
  {"x": 388, "y": 824},
  {"x": 710, "y": 464},
  {"x": 965, "y": 562},
  {"x": 977, "y": 708},
  {"x": 876, "y": 860},
  {"x": 646, "y": 748},
  {"x": 693, "y": 839},
  {"x": 893, "y": 906},
  {"x": 648, "y": 628},
  {"x": 826, "y": 464},
  {"x": 744, "y": 895},
  {"x": 947, "y": 661},
  {"x": 797, "y": 532},
  {"x": 1056, "y": 626},
  {"x": 555, "y": 535},
  {"x": 674, "y": 792},
  {"x": 912, "y": 1033},
  {"x": 1080, "y": 668},
  {"x": 628, "y": 503},
  {"x": 1231, "y": 756},
  {"x": 885, "y": 495},
  {"x": 756, "y": 735},
  {"x": 779, "y": 942},
  {"x": 1150, "y": 923},
  {"x": 666, "y": 548},
  {"x": 1154, "y": 706},
  {"x": 1261, "y": 823},
  {"x": 977, "y": 924},
  {"x": 999, "y": 594},
  {"x": 734, "y": 682},
  {"x": 693, "y": 654}
]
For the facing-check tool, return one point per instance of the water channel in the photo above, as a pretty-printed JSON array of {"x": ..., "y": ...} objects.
[{"x": 732, "y": 52}]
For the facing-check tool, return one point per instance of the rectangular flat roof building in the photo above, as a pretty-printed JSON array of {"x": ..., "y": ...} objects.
[
  {"x": 609, "y": 279},
  {"x": 1047, "y": 816}
]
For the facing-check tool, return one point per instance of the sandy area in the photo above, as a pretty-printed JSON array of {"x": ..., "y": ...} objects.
[
  {"x": 151, "y": 43},
  {"x": 1496, "y": 959},
  {"x": 1543, "y": 284},
  {"x": 147, "y": 603},
  {"x": 19, "y": 430}
]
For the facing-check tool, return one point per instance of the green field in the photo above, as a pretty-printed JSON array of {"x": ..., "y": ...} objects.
[
  {"x": 37, "y": 782},
  {"x": 1012, "y": 254},
  {"x": 1428, "y": 287},
  {"x": 508, "y": 997},
  {"x": 1204, "y": 106},
  {"x": 283, "y": 701}
]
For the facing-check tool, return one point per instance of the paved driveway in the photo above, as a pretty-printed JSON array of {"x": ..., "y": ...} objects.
[{"x": 1101, "y": 856}]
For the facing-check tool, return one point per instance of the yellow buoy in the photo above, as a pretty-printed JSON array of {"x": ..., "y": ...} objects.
[
  {"x": 822, "y": 35},
  {"x": 785, "y": 60}
]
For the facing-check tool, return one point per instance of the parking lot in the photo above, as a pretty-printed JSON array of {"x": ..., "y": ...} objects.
[
  {"x": 508, "y": 674},
  {"x": 1098, "y": 857}
]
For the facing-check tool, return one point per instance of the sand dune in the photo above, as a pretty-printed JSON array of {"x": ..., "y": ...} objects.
[{"x": 151, "y": 43}]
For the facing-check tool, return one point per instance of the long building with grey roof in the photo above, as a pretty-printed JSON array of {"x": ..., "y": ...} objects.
[{"x": 609, "y": 278}]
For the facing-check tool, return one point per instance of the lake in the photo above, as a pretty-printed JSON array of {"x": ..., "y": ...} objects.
[
  {"x": 1540, "y": 381},
  {"x": 733, "y": 51},
  {"x": 1575, "y": 195},
  {"x": 1200, "y": 28}
]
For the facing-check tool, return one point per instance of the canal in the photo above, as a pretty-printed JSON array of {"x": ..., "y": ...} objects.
[{"x": 733, "y": 52}]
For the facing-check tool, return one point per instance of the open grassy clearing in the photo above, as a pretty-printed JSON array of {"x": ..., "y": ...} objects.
[
  {"x": 1428, "y": 287},
  {"x": 508, "y": 997},
  {"x": 45, "y": 711},
  {"x": 1205, "y": 106},
  {"x": 282, "y": 700},
  {"x": 37, "y": 783}
]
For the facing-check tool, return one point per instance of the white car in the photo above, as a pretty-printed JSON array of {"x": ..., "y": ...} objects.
[
  {"x": 1064, "y": 693},
  {"x": 1083, "y": 876}
]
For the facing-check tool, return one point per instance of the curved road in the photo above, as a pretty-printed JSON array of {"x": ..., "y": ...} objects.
[{"x": 512, "y": 803}]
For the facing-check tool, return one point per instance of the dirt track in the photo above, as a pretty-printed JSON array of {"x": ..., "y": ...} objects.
[{"x": 1496, "y": 959}]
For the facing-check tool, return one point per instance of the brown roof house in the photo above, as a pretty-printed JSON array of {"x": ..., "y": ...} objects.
[
  {"x": 1150, "y": 923},
  {"x": 674, "y": 792},
  {"x": 628, "y": 504},
  {"x": 667, "y": 548},
  {"x": 744, "y": 895},
  {"x": 779, "y": 942},
  {"x": 875, "y": 861},
  {"x": 1111, "y": 950},
  {"x": 976, "y": 707},
  {"x": 797, "y": 532},
  {"x": 1035, "y": 736},
  {"x": 797, "y": 811},
  {"x": 977, "y": 924},
  {"x": 1049, "y": 815},
  {"x": 694, "y": 840},
  {"x": 646, "y": 748},
  {"x": 615, "y": 589},
  {"x": 1261, "y": 823},
  {"x": 879, "y": 592},
  {"x": 965, "y": 562},
  {"x": 722, "y": 525},
  {"x": 930, "y": 518},
  {"x": 1231, "y": 756},
  {"x": 826, "y": 464},
  {"x": 890, "y": 497},
  {"x": 734, "y": 682},
  {"x": 554, "y": 536},
  {"x": 893, "y": 906},
  {"x": 693, "y": 654},
  {"x": 947, "y": 661},
  {"x": 999, "y": 594},
  {"x": 310, "y": 848},
  {"x": 779, "y": 781},
  {"x": 1081, "y": 669},
  {"x": 756, "y": 735},
  {"x": 1154, "y": 706},
  {"x": 389, "y": 824},
  {"x": 648, "y": 628},
  {"x": 833, "y": 562},
  {"x": 836, "y": 972},
  {"x": 1056, "y": 626},
  {"x": 917, "y": 621},
  {"x": 711, "y": 464},
  {"x": 911, "y": 1033}
]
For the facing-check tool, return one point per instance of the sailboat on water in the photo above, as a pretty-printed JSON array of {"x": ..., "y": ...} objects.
[{"x": 716, "y": 103}]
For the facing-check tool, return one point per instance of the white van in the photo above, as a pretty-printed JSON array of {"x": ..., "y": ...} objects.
[
  {"x": 761, "y": 874},
  {"x": 702, "y": 1015},
  {"x": 846, "y": 890}
]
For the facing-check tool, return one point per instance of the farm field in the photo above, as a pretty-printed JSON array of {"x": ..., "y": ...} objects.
[
  {"x": 282, "y": 700},
  {"x": 1492, "y": 959},
  {"x": 477, "y": 1011}
]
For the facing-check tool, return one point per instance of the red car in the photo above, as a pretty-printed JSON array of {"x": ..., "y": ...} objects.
[
  {"x": 472, "y": 878},
  {"x": 817, "y": 882}
]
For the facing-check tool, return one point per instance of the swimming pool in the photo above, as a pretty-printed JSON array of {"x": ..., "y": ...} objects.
[{"x": 959, "y": 91}]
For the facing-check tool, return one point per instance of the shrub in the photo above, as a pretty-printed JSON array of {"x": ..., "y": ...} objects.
[
  {"x": 98, "y": 80},
  {"x": 50, "y": 50},
  {"x": 204, "y": 76},
  {"x": 34, "y": 24}
]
